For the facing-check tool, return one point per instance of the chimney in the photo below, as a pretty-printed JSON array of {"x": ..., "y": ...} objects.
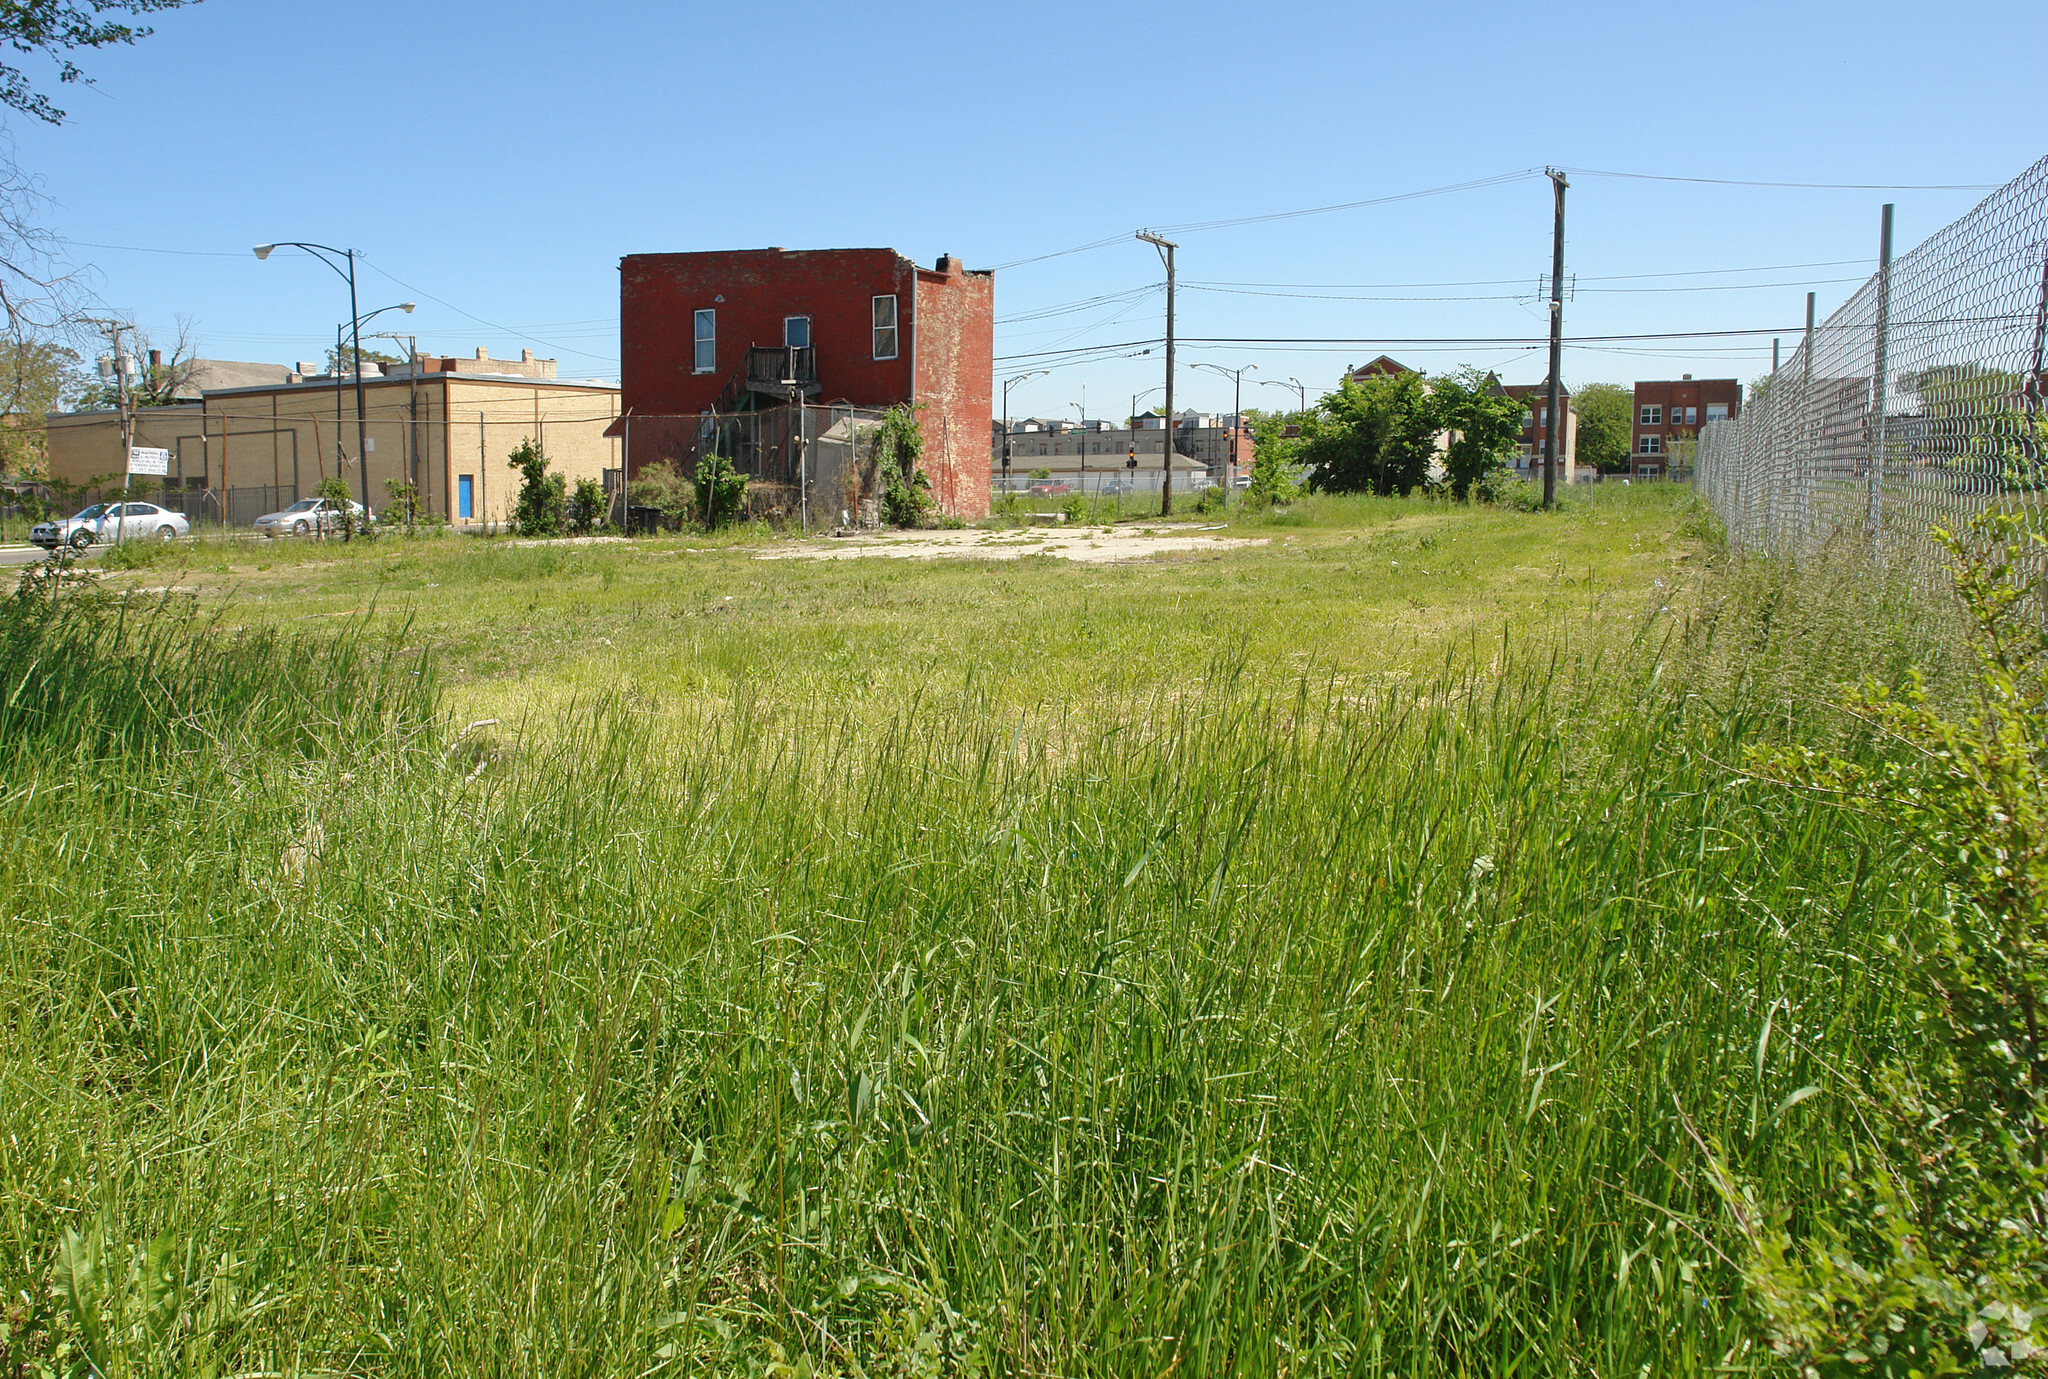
[
  {"x": 526, "y": 356},
  {"x": 482, "y": 353},
  {"x": 308, "y": 367},
  {"x": 156, "y": 359},
  {"x": 1685, "y": 378},
  {"x": 948, "y": 264}
]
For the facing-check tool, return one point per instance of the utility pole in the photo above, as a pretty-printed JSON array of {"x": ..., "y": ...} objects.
[
  {"x": 1774, "y": 355},
  {"x": 1880, "y": 366},
  {"x": 1166, "y": 248},
  {"x": 1552, "y": 422}
]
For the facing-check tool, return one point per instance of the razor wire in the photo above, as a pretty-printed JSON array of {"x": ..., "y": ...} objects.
[{"x": 1918, "y": 404}]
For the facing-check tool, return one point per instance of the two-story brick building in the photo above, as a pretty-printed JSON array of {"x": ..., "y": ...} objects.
[{"x": 751, "y": 331}]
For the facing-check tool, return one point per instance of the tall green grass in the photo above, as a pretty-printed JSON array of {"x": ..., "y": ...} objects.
[{"x": 1280, "y": 1030}]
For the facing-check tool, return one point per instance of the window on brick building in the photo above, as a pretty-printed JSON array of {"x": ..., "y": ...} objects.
[
  {"x": 1650, "y": 445},
  {"x": 1653, "y": 414},
  {"x": 796, "y": 332},
  {"x": 707, "y": 342},
  {"x": 885, "y": 327},
  {"x": 1692, "y": 416},
  {"x": 1717, "y": 411}
]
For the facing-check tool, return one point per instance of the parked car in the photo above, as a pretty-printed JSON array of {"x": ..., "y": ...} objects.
[
  {"x": 310, "y": 515},
  {"x": 1050, "y": 488},
  {"x": 1114, "y": 486},
  {"x": 108, "y": 522}
]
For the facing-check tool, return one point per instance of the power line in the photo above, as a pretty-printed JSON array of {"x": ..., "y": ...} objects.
[{"x": 1796, "y": 186}]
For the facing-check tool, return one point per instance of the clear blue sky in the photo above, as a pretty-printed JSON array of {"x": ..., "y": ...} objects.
[{"x": 494, "y": 162}]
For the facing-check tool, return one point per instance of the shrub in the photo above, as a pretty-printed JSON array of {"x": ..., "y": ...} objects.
[
  {"x": 543, "y": 497},
  {"x": 661, "y": 486},
  {"x": 587, "y": 506},
  {"x": 721, "y": 490},
  {"x": 906, "y": 491},
  {"x": 335, "y": 491},
  {"x": 1929, "y": 1255}
]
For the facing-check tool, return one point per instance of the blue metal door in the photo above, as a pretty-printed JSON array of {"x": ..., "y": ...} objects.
[{"x": 465, "y": 486}]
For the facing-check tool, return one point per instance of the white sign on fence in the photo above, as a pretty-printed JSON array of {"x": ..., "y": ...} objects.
[{"x": 143, "y": 459}]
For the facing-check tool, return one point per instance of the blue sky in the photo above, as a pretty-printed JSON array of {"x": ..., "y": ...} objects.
[{"x": 493, "y": 162}]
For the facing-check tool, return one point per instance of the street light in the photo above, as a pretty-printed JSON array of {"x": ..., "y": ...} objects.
[
  {"x": 1236, "y": 376},
  {"x": 1008, "y": 384},
  {"x": 341, "y": 453},
  {"x": 1131, "y": 460},
  {"x": 327, "y": 254},
  {"x": 1293, "y": 383}
]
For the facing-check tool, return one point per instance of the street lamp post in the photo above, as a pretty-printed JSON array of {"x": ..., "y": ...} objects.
[
  {"x": 1008, "y": 384},
  {"x": 1294, "y": 383},
  {"x": 1082, "y": 408},
  {"x": 412, "y": 430},
  {"x": 1236, "y": 377},
  {"x": 1131, "y": 461},
  {"x": 327, "y": 253}
]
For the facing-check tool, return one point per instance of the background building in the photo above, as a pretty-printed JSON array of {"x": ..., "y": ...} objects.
[
  {"x": 1669, "y": 415},
  {"x": 1535, "y": 422},
  {"x": 240, "y": 452},
  {"x": 1101, "y": 450},
  {"x": 857, "y": 330}
]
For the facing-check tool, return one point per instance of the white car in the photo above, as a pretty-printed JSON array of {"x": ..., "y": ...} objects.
[
  {"x": 109, "y": 522},
  {"x": 309, "y": 515}
]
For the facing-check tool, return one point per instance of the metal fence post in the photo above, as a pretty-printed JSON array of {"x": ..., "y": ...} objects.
[{"x": 1879, "y": 369}]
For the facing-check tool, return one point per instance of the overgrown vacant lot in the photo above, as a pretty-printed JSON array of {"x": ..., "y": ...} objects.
[
  {"x": 1327, "y": 955},
  {"x": 1335, "y": 585}
]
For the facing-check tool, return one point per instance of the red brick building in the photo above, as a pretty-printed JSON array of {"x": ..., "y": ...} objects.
[
  {"x": 1670, "y": 413},
  {"x": 722, "y": 331}
]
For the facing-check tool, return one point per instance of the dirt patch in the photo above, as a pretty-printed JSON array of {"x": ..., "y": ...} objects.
[{"x": 1084, "y": 545}]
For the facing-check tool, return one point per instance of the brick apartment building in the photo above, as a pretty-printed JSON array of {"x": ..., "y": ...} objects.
[
  {"x": 723, "y": 331},
  {"x": 1529, "y": 445},
  {"x": 1669, "y": 413}
]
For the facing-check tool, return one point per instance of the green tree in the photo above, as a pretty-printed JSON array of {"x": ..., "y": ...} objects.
[
  {"x": 345, "y": 358},
  {"x": 55, "y": 29},
  {"x": 1607, "y": 417},
  {"x": 1375, "y": 436},
  {"x": 542, "y": 509},
  {"x": 1482, "y": 423},
  {"x": 36, "y": 378}
]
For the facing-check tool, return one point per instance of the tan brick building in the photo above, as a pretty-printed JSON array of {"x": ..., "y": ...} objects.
[{"x": 241, "y": 452}]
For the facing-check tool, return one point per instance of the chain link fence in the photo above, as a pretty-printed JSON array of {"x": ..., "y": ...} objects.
[
  {"x": 1918, "y": 404},
  {"x": 813, "y": 464}
]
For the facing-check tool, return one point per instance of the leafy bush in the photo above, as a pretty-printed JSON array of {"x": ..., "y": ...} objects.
[
  {"x": 1504, "y": 488},
  {"x": 661, "y": 486},
  {"x": 1274, "y": 480},
  {"x": 899, "y": 446},
  {"x": 721, "y": 490},
  {"x": 587, "y": 506},
  {"x": 543, "y": 504},
  {"x": 1929, "y": 1257},
  {"x": 335, "y": 491}
]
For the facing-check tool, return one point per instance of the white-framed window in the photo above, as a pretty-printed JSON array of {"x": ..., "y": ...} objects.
[
  {"x": 707, "y": 342},
  {"x": 885, "y": 326},
  {"x": 1653, "y": 414},
  {"x": 1692, "y": 416},
  {"x": 1649, "y": 445},
  {"x": 796, "y": 332},
  {"x": 1717, "y": 411}
]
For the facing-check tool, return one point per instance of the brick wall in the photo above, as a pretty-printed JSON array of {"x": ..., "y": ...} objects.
[{"x": 955, "y": 382}]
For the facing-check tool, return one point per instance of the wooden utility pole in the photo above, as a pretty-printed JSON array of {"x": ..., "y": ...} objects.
[
  {"x": 1166, "y": 248},
  {"x": 1553, "y": 423}
]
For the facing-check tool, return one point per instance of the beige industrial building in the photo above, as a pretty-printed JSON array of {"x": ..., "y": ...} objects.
[{"x": 447, "y": 425}]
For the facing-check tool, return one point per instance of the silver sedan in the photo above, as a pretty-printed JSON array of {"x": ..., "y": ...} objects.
[{"x": 108, "y": 522}]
